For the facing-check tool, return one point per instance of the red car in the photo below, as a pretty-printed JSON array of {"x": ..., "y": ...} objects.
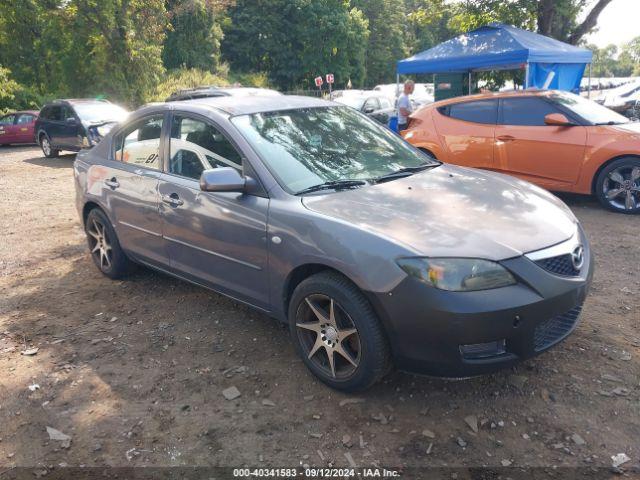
[{"x": 18, "y": 127}]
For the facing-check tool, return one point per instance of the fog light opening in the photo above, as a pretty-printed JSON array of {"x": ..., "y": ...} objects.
[
  {"x": 477, "y": 351},
  {"x": 516, "y": 321}
]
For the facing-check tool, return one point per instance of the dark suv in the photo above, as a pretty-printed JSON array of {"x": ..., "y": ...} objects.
[{"x": 75, "y": 124}]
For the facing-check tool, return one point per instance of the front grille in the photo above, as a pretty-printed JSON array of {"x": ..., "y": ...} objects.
[
  {"x": 560, "y": 265},
  {"x": 555, "y": 329}
]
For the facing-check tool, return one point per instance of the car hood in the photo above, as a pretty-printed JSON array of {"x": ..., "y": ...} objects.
[
  {"x": 631, "y": 128},
  {"x": 454, "y": 211}
]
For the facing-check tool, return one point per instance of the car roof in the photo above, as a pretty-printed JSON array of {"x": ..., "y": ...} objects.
[
  {"x": 257, "y": 104},
  {"x": 75, "y": 101},
  {"x": 494, "y": 95},
  {"x": 204, "y": 91},
  {"x": 20, "y": 112}
]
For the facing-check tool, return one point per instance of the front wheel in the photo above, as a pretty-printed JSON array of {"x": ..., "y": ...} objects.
[
  {"x": 105, "y": 247},
  {"x": 618, "y": 186},
  {"x": 47, "y": 149},
  {"x": 337, "y": 333}
]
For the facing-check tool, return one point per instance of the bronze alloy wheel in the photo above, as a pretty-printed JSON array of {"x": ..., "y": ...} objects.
[
  {"x": 328, "y": 336},
  {"x": 100, "y": 244}
]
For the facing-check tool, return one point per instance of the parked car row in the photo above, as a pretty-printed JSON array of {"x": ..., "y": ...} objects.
[{"x": 557, "y": 140}]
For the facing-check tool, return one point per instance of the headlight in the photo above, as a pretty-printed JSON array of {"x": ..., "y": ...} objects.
[{"x": 458, "y": 274}]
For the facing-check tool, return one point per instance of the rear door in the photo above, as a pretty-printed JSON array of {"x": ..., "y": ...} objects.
[
  {"x": 466, "y": 131},
  {"x": 214, "y": 238},
  {"x": 131, "y": 187},
  {"x": 8, "y": 132},
  {"x": 549, "y": 156}
]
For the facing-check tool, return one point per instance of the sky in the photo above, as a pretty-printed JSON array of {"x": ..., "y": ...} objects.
[{"x": 618, "y": 23}]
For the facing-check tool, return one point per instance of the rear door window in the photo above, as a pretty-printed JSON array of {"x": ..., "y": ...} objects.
[
  {"x": 525, "y": 111},
  {"x": 480, "y": 111},
  {"x": 7, "y": 120},
  {"x": 54, "y": 113},
  {"x": 139, "y": 144}
]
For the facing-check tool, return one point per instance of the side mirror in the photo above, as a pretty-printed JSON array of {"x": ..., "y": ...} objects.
[
  {"x": 557, "y": 120},
  {"x": 71, "y": 121},
  {"x": 224, "y": 179}
]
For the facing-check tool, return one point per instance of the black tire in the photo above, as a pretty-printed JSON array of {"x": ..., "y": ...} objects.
[
  {"x": 118, "y": 265},
  {"x": 373, "y": 355},
  {"x": 45, "y": 145},
  {"x": 625, "y": 180}
]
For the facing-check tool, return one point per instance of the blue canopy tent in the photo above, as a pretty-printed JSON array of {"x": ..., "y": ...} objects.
[{"x": 548, "y": 63}]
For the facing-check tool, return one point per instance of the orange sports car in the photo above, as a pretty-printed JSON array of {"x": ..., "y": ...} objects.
[{"x": 555, "y": 139}]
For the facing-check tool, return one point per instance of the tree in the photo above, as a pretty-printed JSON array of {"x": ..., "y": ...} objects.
[
  {"x": 558, "y": 18},
  {"x": 295, "y": 40},
  {"x": 387, "y": 38},
  {"x": 194, "y": 36}
]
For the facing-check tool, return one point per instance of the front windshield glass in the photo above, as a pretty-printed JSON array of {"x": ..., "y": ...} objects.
[
  {"x": 591, "y": 111},
  {"x": 100, "y": 112},
  {"x": 311, "y": 146}
]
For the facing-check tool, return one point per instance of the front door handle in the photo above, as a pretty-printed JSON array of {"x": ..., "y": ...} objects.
[
  {"x": 506, "y": 138},
  {"x": 112, "y": 183},
  {"x": 173, "y": 200}
]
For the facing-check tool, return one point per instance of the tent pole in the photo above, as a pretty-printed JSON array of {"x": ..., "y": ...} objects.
[
  {"x": 397, "y": 86},
  {"x": 589, "y": 89},
  {"x": 526, "y": 76},
  {"x": 469, "y": 82}
]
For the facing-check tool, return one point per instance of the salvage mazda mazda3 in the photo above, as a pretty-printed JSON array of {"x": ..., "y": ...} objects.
[{"x": 374, "y": 253}]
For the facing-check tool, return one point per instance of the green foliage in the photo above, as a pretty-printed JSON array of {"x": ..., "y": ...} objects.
[
  {"x": 14, "y": 96},
  {"x": 296, "y": 40},
  {"x": 387, "y": 38},
  {"x": 134, "y": 51},
  {"x": 193, "y": 39},
  {"x": 181, "y": 79}
]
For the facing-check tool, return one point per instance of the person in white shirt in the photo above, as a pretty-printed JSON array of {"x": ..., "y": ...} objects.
[{"x": 404, "y": 105}]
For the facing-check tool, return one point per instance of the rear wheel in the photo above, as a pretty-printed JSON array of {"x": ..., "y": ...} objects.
[
  {"x": 618, "y": 186},
  {"x": 337, "y": 333},
  {"x": 47, "y": 149},
  {"x": 105, "y": 247}
]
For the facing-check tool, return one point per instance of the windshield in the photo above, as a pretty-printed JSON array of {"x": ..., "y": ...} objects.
[
  {"x": 100, "y": 112},
  {"x": 311, "y": 146},
  {"x": 351, "y": 101},
  {"x": 591, "y": 111}
]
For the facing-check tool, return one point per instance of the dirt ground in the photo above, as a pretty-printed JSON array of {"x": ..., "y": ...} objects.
[{"x": 133, "y": 371}]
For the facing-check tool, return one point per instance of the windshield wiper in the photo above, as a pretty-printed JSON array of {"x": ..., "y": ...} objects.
[
  {"x": 332, "y": 185},
  {"x": 404, "y": 172},
  {"x": 611, "y": 122}
]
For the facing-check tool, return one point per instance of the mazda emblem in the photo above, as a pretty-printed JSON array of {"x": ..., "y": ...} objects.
[{"x": 577, "y": 257}]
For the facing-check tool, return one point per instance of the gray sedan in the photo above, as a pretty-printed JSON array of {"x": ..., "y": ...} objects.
[{"x": 374, "y": 253}]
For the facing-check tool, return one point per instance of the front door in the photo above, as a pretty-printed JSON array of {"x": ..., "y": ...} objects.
[
  {"x": 131, "y": 189},
  {"x": 218, "y": 239},
  {"x": 549, "y": 156},
  {"x": 467, "y": 129},
  {"x": 25, "y": 123}
]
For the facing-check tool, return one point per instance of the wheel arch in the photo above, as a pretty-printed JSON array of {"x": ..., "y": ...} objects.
[
  {"x": 298, "y": 275},
  {"x": 607, "y": 163},
  {"x": 92, "y": 205}
]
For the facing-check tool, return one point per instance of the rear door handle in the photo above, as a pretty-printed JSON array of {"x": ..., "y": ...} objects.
[
  {"x": 173, "y": 200},
  {"x": 506, "y": 138},
  {"x": 112, "y": 183}
]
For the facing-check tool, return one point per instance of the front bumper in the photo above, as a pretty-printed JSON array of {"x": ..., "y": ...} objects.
[{"x": 461, "y": 334}]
